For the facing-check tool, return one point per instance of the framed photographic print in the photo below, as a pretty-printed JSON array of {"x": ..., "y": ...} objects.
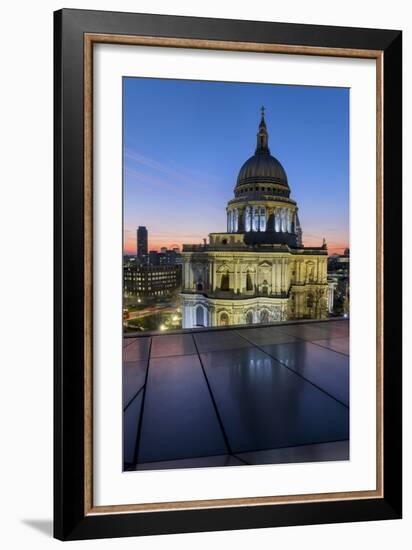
[{"x": 227, "y": 274}]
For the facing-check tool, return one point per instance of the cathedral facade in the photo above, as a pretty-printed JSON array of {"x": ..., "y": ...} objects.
[{"x": 259, "y": 271}]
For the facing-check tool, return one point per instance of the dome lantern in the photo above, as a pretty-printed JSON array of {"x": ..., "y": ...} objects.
[
  {"x": 262, "y": 136},
  {"x": 262, "y": 167}
]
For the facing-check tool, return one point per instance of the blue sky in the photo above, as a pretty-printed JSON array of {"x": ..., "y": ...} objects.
[{"x": 185, "y": 141}]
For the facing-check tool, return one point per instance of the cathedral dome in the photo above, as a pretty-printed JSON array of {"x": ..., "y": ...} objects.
[{"x": 262, "y": 167}]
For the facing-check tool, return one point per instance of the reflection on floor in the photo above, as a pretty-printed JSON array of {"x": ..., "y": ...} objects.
[{"x": 236, "y": 396}]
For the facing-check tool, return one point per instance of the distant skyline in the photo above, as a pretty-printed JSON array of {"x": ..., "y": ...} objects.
[{"x": 185, "y": 142}]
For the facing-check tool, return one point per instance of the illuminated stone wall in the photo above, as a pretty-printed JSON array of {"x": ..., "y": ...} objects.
[{"x": 238, "y": 287}]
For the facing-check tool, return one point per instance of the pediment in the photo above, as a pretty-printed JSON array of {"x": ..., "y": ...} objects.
[{"x": 223, "y": 268}]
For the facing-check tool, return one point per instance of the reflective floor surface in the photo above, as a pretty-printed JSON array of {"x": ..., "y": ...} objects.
[{"x": 261, "y": 395}]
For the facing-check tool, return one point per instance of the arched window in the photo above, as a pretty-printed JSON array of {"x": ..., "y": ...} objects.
[
  {"x": 264, "y": 316},
  {"x": 235, "y": 220},
  {"x": 255, "y": 219},
  {"x": 199, "y": 286},
  {"x": 277, "y": 220},
  {"x": 262, "y": 218},
  {"x": 293, "y": 224},
  {"x": 228, "y": 221},
  {"x": 224, "y": 319},
  {"x": 248, "y": 222},
  {"x": 249, "y": 282},
  {"x": 283, "y": 220},
  {"x": 249, "y": 317},
  {"x": 200, "y": 316},
  {"x": 265, "y": 288},
  {"x": 309, "y": 300},
  {"x": 224, "y": 283}
]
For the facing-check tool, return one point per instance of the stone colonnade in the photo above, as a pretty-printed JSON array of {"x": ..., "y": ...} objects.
[{"x": 261, "y": 218}]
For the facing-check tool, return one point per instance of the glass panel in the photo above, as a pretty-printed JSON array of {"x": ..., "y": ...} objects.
[{"x": 174, "y": 417}]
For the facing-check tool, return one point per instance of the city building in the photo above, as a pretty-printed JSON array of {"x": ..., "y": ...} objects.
[
  {"x": 129, "y": 260},
  {"x": 151, "y": 280},
  {"x": 338, "y": 281},
  {"x": 258, "y": 271},
  {"x": 142, "y": 244},
  {"x": 165, "y": 257},
  {"x": 154, "y": 257}
]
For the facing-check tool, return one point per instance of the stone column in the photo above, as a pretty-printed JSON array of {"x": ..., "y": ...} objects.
[
  {"x": 241, "y": 221},
  {"x": 273, "y": 277},
  {"x": 191, "y": 280},
  {"x": 283, "y": 275},
  {"x": 287, "y": 274},
  {"x": 186, "y": 281},
  {"x": 255, "y": 278},
  {"x": 278, "y": 276},
  {"x": 330, "y": 298}
]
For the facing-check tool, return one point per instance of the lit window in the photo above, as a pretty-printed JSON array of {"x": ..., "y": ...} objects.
[
  {"x": 247, "y": 219},
  {"x": 262, "y": 218},
  {"x": 255, "y": 219},
  {"x": 277, "y": 220},
  {"x": 235, "y": 224},
  {"x": 283, "y": 220}
]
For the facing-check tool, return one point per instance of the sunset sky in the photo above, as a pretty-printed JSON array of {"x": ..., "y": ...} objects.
[{"x": 185, "y": 142}]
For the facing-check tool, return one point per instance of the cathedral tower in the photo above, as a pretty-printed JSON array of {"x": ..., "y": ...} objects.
[{"x": 258, "y": 271}]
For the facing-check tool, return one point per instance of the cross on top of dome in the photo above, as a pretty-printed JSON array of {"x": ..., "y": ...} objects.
[{"x": 262, "y": 167}]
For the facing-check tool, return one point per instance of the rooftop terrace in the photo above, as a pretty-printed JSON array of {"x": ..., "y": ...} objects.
[{"x": 237, "y": 396}]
